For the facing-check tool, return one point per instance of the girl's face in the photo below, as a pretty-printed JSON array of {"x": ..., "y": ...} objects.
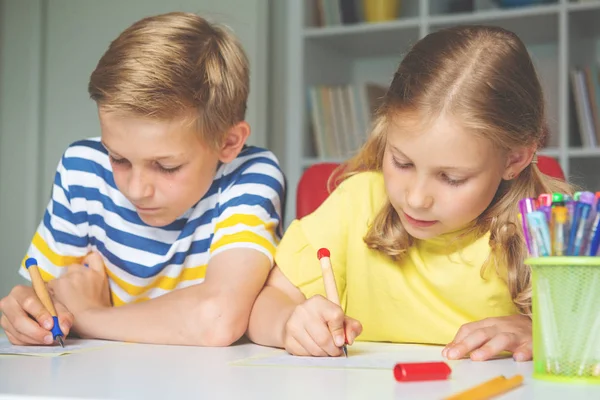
[
  {"x": 162, "y": 167},
  {"x": 440, "y": 178}
]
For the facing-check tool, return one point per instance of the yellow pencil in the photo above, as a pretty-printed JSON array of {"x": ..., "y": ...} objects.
[
  {"x": 42, "y": 293},
  {"x": 329, "y": 282},
  {"x": 489, "y": 389}
]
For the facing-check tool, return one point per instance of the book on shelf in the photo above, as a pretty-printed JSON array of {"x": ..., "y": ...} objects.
[
  {"x": 585, "y": 93},
  {"x": 340, "y": 117},
  {"x": 346, "y": 12}
]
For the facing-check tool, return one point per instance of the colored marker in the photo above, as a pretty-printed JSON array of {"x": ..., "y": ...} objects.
[
  {"x": 539, "y": 232},
  {"x": 422, "y": 371},
  {"x": 545, "y": 205},
  {"x": 545, "y": 199},
  {"x": 570, "y": 204},
  {"x": 595, "y": 233},
  {"x": 558, "y": 199},
  {"x": 579, "y": 223},
  {"x": 559, "y": 230},
  {"x": 527, "y": 206}
]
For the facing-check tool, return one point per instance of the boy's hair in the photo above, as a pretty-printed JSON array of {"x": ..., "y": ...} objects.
[
  {"x": 484, "y": 76},
  {"x": 173, "y": 65}
]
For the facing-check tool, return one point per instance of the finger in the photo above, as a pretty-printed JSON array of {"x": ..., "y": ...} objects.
[
  {"x": 293, "y": 347},
  {"x": 18, "y": 315},
  {"x": 65, "y": 318},
  {"x": 353, "y": 329},
  {"x": 306, "y": 340},
  {"x": 467, "y": 329},
  {"x": 19, "y": 338},
  {"x": 13, "y": 339},
  {"x": 497, "y": 344},
  {"x": 31, "y": 304},
  {"x": 524, "y": 352},
  {"x": 321, "y": 335},
  {"x": 471, "y": 342},
  {"x": 95, "y": 262},
  {"x": 334, "y": 316}
]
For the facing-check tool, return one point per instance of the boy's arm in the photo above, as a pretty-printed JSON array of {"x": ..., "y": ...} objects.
[
  {"x": 272, "y": 309},
  {"x": 213, "y": 313}
]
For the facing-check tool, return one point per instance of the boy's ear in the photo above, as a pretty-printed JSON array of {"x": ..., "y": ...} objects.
[
  {"x": 234, "y": 141},
  {"x": 517, "y": 160}
]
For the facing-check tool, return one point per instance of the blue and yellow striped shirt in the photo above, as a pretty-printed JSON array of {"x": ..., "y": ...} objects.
[{"x": 87, "y": 212}]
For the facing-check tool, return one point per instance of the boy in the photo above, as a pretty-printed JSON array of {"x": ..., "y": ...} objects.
[{"x": 163, "y": 230}]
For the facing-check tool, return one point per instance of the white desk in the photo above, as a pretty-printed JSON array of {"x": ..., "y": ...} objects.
[{"x": 167, "y": 372}]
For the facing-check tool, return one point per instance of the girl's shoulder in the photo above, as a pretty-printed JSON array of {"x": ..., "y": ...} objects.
[
  {"x": 363, "y": 181},
  {"x": 364, "y": 185}
]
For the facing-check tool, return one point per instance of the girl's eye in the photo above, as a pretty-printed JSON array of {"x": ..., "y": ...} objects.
[
  {"x": 400, "y": 165},
  {"x": 119, "y": 161},
  {"x": 452, "y": 182},
  {"x": 168, "y": 170}
]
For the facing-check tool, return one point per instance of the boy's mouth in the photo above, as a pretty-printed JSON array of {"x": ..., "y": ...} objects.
[{"x": 147, "y": 210}]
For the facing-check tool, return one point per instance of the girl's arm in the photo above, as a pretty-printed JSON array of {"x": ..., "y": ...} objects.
[
  {"x": 282, "y": 317},
  {"x": 272, "y": 309}
]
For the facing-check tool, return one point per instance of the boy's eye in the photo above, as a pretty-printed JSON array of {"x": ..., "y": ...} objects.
[
  {"x": 168, "y": 170},
  {"x": 452, "y": 182},
  {"x": 115, "y": 160}
]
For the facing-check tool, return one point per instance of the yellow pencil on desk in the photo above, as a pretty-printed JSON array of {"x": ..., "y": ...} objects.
[
  {"x": 489, "y": 389},
  {"x": 329, "y": 282},
  {"x": 39, "y": 286}
]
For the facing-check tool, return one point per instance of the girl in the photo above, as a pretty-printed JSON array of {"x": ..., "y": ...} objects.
[{"x": 423, "y": 230}]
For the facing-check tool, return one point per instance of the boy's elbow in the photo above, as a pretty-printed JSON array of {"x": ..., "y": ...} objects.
[{"x": 221, "y": 326}]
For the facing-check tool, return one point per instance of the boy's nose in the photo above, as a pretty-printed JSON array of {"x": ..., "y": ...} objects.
[{"x": 139, "y": 187}]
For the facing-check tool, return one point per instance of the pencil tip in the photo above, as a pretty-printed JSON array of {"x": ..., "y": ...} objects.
[
  {"x": 345, "y": 350},
  {"x": 62, "y": 344}
]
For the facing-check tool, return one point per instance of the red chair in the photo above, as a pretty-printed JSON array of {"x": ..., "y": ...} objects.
[{"x": 312, "y": 187}]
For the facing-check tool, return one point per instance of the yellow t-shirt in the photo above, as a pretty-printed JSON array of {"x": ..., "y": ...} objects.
[{"x": 424, "y": 298}]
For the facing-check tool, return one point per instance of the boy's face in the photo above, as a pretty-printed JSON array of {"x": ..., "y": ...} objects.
[
  {"x": 441, "y": 178},
  {"x": 162, "y": 167}
]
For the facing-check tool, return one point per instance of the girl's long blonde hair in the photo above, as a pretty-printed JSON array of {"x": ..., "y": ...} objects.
[{"x": 484, "y": 76}]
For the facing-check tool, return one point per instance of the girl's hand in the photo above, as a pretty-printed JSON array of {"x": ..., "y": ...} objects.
[
  {"x": 489, "y": 337},
  {"x": 26, "y": 321},
  {"x": 317, "y": 327}
]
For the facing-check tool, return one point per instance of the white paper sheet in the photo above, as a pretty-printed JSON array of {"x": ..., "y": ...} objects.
[
  {"x": 71, "y": 346},
  {"x": 361, "y": 355}
]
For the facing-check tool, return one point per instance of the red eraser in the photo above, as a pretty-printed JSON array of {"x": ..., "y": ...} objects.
[
  {"x": 427, "y": 371},
  {"x": 323, "y": 252}
]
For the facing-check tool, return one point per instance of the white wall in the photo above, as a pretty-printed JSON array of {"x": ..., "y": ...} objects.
[{"x": 47, "y": 51}]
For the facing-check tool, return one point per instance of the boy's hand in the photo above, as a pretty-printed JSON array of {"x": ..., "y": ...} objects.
[
  {"x": 489, "y": 337},
  {"x": 27, "y": 322},
  {"x": 83, "y": 288},
  {"x": 317, "y": 328}
]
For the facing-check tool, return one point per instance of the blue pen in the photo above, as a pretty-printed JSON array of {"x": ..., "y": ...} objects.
[
  {"x": 570, "y": 204},
  {"x": 579, "y": 223},
  {"x": 39, "y": 287},
  {"x": 540, "y": 232},
  {"x": 595, "y": 235}
]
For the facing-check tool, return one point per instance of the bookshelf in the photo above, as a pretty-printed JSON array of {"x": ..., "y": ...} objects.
[{"x": 561, "y": 35}]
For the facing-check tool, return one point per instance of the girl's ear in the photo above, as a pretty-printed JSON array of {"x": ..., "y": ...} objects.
[
  {"x": 517, "y": 161},
  {"x": 234, "y": 141}
]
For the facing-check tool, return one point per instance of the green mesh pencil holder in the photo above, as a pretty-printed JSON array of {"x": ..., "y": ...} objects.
[{"x": 566, "y": 318}]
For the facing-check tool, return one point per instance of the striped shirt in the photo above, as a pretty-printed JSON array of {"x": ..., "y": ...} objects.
[{"x": 87, "y": 212}]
